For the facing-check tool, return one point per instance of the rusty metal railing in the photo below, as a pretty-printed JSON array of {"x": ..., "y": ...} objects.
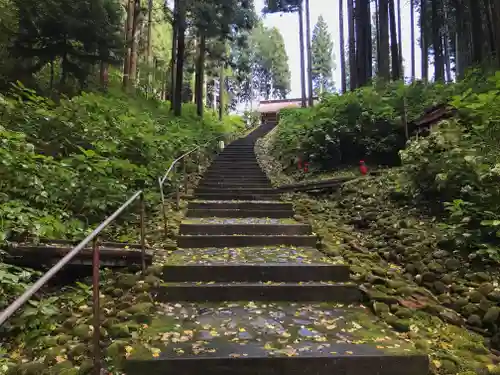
[
  {"x": 21, "y": 300},
  {"x": 94, "y": 238},
  {"x": 184, "y": 159}
]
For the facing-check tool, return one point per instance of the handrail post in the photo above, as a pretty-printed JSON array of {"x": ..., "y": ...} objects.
[
  {"x": 184, "y": 170},
  {"x": 177, "y": 196},
  {"x": 143, "y": 232},
  {"x": 163, "y": 208},
  {"x": 96, "y": 309}
]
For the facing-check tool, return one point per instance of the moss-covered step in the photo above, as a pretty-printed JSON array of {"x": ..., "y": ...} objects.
[
  {"x": 211, "y": 184},
  {"x": 250, "y": 255},
  {"x": 228, "y": 213},
  {"x": 202, "y": 241},
  {"x": 245, "y": 229},
  {"x": 229, "y": 195},
  {"x": 231, "y": 180},
  {"x": 238, "y": 190},
  {"x": 272, "y": 339},
  {"x": 241, "y": 205},
  {"x": 231, "y": 162},
  {"x": 245, "y": 272},
  {"x": 251, "y": 176},
  {"x": 258, "y": 291},
  {"x": 245, "y": 220}
]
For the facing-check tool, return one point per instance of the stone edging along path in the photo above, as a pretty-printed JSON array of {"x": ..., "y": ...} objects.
[{"x": 407, "y": 279}]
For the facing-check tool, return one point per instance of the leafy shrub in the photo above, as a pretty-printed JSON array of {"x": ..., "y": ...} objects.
[
  {"x": 64, "y": 167},
  {"x": 363, "y": 124},
  {"x": 457, "y": 170}
]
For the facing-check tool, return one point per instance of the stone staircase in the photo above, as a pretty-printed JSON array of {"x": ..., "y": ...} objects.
[{"x": 248, "y": 293}]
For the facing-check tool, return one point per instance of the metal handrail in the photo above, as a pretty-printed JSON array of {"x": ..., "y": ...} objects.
[
  {"x": 93, "y": 236},
  {"x": 161, "y": 180}
]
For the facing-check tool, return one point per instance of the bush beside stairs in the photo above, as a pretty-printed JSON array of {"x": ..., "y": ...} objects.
[{"x": 247, "y": 292}]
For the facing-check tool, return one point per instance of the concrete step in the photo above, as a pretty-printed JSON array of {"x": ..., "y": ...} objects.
[
  {"x": 235, "y": 291},
  {"x": 234, "y": 166},
  {"x": 236, "y": 196},
  {"x": 236, "y": 157},
  {"x": 190, "y": 241},
  {"x": 231, "y": 164},
  {"x": 236, "y": 190},
  {"x": 233, "y": 360},
  {"x": 276, "y": 214},
  {"x": 244, "y": 272},
  {"x": 230, "y": 175},
  {"x": 216, "y": 171},
  {"x": 244, "y": 156},
  {"x": 233, "y": 185},
  {"x": 235, "y": 171},
  {"x": 235, "y": 182},
  {"x": 267, "y": 338},
  {"x": 257, "y": 206},
  {"x": 246, "y": 229}
]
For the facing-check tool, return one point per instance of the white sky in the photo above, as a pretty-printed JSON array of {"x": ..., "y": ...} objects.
[{"x": 289, "y": 27}]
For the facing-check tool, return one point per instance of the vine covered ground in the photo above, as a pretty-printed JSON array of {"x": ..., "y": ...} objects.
[{"x": 421, "y": 236}]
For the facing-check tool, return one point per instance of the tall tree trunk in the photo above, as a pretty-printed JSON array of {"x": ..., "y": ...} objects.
[
  {"x": 496, "y": 22},
  {"x": 309, "y": 55},
  {"x": 477, "y": 32},
  {"x": 128, "y": 43},
  {"x": 103, "y": 74},
  {"x": 446, "y": 44},
  {"x": 463, "y": 37},
  {"x": 352, "y": 46},
  {"x": 343, "y": 78},
  {"x": 222, "y": 89},
  {"x": 437, "y": 43},
  {"x": 200, "y": 73},
  {"x": 175, "y": 32},
  {"x": 383, "y": 66},
  {"x": 179, "y": 65},
  {"x": 396, "y": 74},
  {"x": 400, "y": 41},
  {"x": 368, "y": 41},
  {"x": 135, "y": 43},
  {"x": 377, "y": 35},
  {"x": 412, "y": 28},
  {"x": 490, "y": 26},
  {"x": 447, "y": 62},
  {"x": 302, "y": 58},
  {"x": 363, "y": 42},
  {"x": 149, "y": 50},
  {"x": 424, "y": 44},
  {"x": 360, "y": 45}
]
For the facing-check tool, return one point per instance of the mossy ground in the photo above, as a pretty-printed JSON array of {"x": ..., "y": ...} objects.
[{"x": 410, "y": 279}]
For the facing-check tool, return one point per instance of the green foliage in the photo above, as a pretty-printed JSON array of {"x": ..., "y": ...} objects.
[
  {"x": 363, "y": 124},
  {"x": 65, "y": 167},
  {"x": 262, "y": 66},
  {"x": 457, "y": 169},
  {"x": 78, "y": 34},
  {"x": 322, "y": 57}
]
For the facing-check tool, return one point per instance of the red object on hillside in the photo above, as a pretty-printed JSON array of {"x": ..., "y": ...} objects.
[
  {"x": 306, "y": 167},
  {"x": 363, "y": 168}
]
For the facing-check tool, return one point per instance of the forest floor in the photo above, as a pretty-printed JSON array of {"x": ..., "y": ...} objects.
[{"x": 427, "y": 292}]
